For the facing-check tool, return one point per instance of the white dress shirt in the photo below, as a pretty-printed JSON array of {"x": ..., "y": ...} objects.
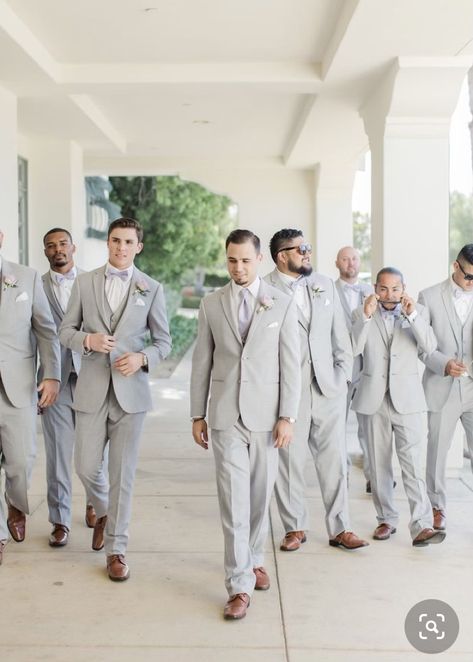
[
  {"x": 299, "y": 292},
  {"x": 115, "y": 287},
  {"x": 253, "y": 289},
  {"x": 352, "y": 295},
  {"x": 462, "y": 302},
  {"x": 62, "y": 287}
]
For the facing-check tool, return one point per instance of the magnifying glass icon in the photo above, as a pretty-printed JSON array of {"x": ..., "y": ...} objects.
[{"x": 431, "y": 626}]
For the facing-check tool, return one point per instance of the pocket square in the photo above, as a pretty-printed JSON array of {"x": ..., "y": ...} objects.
[
  {"x": 405, "y": 324},
  {"x": 272, "y": 325},
  {"x": 327, "y": 302},
  {"x": 22, "y": 297},
  {"x": 139, "y": 302}
]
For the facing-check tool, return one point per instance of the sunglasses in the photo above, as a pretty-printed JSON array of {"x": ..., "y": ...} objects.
[
  {"x": 302, "y": 249},
  {"x": 465, "y": 275}
]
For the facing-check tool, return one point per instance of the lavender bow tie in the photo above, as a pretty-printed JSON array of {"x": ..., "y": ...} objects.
[
  {"x": 460, "y": 294},
  {"x": 116, "y": 273},
  {"x": 353, "y": 288},
  {"x": 395, "y": 312},
  {"x": 61, "y": 278},
  {"x": 296, "y": 283}
]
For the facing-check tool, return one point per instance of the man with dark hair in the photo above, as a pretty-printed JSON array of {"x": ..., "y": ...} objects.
[
  {"x": 247, "y": 358},
  {"x": 110, "y": 314},
  {"x": 326, "y": 367},
  {"x": 448, "y": 376},
  {"x": 390, "y": 331},
  {"x": 58, "y": 421}
]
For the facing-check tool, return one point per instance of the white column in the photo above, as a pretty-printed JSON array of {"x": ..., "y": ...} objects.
[{"x": 9, "y": 174}]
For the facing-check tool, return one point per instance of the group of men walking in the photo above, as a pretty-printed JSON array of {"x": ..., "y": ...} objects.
[{"x": 278, "y": 363}]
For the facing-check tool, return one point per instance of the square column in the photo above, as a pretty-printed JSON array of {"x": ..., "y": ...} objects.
[{"x": 9, "y": 174}]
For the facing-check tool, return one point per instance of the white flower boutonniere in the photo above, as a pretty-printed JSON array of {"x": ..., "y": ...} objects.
[
  {"x": 266, "y": 303},
  {"x": 9, "y": 281},
  {"x": 141, "y": 287},
  {"x": 317, "y": 291}
]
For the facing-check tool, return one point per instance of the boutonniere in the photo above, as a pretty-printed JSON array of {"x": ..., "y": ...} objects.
[
  {"x": 266, "y": 303},
  {"x": 141, "y": 287},
  {"x": 9, "y": 281},
  {"x": 317, "y": 291}
]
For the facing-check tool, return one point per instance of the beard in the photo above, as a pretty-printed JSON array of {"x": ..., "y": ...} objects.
[{"x": 302, "y": 270}]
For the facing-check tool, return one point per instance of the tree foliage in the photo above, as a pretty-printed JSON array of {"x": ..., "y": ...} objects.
[
  {"x": 461, "y": 222},
  {"x": 362, "y": 238},
  {"x": 185, "y": 224}
]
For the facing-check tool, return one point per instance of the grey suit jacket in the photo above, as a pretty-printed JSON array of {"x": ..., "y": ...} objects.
[
  {"x": 366, "y": 290},
  {"x": 450, "y": 339},
  {"x": 87, "y": 313},
  {"x": 391, "y": 365},
  {"x": 69, "y": 360},
  {"x": 26, "y": 326},
  {"x": 324, "y": 340},
  {"x": 259, "y": 380}
]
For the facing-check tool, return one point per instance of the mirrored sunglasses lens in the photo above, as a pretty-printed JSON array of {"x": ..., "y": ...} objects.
[{"x": 305, "y": 248}]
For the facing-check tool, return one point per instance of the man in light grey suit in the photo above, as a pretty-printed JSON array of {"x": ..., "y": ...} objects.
[
  {"x": 26, "y": 326},
  {"x": 352, "y": 293},
  {"x": 389, "y": 330},
  {"x": 111, "y": 311},
  {"x": 247, "y": 356},
  {"x": 58, "y": 421},
  {"x": 326, "y": 368},
  {"x": 448, "y": 376}
]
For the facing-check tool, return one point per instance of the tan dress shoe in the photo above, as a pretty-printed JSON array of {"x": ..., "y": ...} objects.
[
  {"x": 292, "y": 541},
  {"x": 348, "y": 540},
  {"x": 440, "y": 521},
  {"x": 428, "y": 537},
  {"x": 383, "y": 531},
  {"x": 236, "y": 607},
  {"x": 90, "y": 516},
  {"x": 117, "y": 569},
  {"x": 97, "y": 536},
  {"x": 59, "y": 536},
  {"x": 16, "y": 523},
  {"x": 262, "y": 579}
]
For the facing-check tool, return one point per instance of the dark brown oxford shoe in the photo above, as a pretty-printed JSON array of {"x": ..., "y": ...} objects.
[
  {"x": 428, "y": 537},
  {"x": 236, "y": 607},
  {"x": 97, "y": 536},
  {"x": 59, "y": 536},
  {"x": 262, "y": 579},
  {"x": 90, "y": 516},
  {"x": 117, "y": 569},
  {"x": 348, "y": 540},
  {"x": 292, "y": 541},
  {"x": 16, "y": 523},
  {"x": 383, "y": 531}
]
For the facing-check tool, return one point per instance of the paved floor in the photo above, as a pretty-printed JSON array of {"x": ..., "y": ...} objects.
[{"x": 324, "y": 604}]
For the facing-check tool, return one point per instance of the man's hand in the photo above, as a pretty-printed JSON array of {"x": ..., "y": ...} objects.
[
  {"x": 283, "y": 432},
  {"x": 100, "y": 342},
  {"x": 407, "y": 304},
  {"x": 129, "y": 363},
  {"x": 455, "y": 368},
  {"x": 49, "y": 390},
  {"x": 200, "y": 432},
  {"x": 370, "y": 305}
]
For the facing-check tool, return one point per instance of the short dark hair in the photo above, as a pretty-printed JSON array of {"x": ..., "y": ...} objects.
[
  {"x": 390, "y": 270},
  {"x": 126, "y": 222},
  {"x": 466, "y": 254},
  {"x": 53, "y": 230},
  {"x": 280, "y": 239},
  {"x": 241, "y": 237}
]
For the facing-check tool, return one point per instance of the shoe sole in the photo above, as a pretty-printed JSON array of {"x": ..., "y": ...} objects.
[
  {"x": 385, "y": 537},
  {"x": 233, "y": 618},
  {"x": 57, "y": 544},
  {"x": 120, "y": 579},
  {"x": 97, "y": 549},
  {"x": 263, "y": 588},
  {"x": 434, "y": 540},
  {"x": 333, "y": 543},
  {"x": 13, "y": 535}
]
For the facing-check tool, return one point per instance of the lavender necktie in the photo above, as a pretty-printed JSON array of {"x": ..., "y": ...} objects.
[{"x": 244, "y": 313}]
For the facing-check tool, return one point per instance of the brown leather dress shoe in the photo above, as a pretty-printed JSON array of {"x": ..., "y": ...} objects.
[
  {"x": 262, "y": 579},
  {"x": 16, "y": 523},
  {"x": 383, "y": 531},
  {"x": 428, "y": 537},
  {"x": 236, "y": 607},
  {"x": 90, "y": 516},
  {"x": 292, "y": 541},
  {"x": 440, "y": 520},
  {"x": 2, "y": 547},
  {"x": 97, "y": 536},
  {"x": 59, "y": 536},
  {"x": 117, "y": 569},
  {"x": 348, "y": 540}
]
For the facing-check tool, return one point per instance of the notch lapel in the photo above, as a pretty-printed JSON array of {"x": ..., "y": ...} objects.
[
  {"x": 226, "y": 299},
  {"x": 452, "y": 316},
  {"x": 257, "y": 315},
  {"x": 52, "y": 298},
  {"x": 99, "y": 291},
  {"x": 382, "y": 327}
]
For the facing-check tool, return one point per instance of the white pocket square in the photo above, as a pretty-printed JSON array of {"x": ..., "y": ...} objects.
[
  {"x": 139, "y": 302},
  {"x": 405, "y": 324},
  {"x": 22, "y": 297},
  {"x": 327, "y": 302},
  {"x": 272, "y": 325}
]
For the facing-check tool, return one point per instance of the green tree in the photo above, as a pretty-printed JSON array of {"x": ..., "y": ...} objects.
[
  {"x": 461, "y": 222},
  {"x": 185, "y": 224},
  {"x": 362, "y": 238}
]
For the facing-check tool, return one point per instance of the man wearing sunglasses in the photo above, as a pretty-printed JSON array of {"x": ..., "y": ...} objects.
[
  {"x": 448, "y": 376},
  {"x": 326, "y": 368}
]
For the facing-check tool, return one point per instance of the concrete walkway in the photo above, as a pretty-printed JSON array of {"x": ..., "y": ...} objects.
[{"x": 324, "y": 604}]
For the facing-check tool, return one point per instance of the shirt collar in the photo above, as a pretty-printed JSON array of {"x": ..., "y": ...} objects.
[
  {"x": 72, "y": 271},
  {"x": 253, "y": 288},
  {"x": 287, "y": 279},
  {"x": 129, "y": 271}
]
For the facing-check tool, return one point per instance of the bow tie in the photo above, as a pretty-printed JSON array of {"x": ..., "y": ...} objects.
[
  {"x": 394, "y": 313},
  {"x": 61, "y": 278},
  {"x": 353, "y": 288},
  {"x": 116, "y": 273},
  {"x": 295, "y": 283},
  {"x": 460, "y": 294}
]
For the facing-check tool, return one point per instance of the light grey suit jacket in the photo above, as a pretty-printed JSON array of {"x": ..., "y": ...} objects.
[
  {"x": 452, "y": 342},
  {"x": 365, "y": 291},
  {"x": 391, "y": 365},
  {"x": 324, "y": 340},
  {"x": 69, "y": 360},
  {"x": 259, "y": 380},
  {"x": 26, "y": 325},
  {"x": 87, "y": 313}
]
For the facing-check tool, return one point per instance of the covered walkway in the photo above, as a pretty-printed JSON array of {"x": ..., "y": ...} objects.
[{"x": 324, "y": 604}]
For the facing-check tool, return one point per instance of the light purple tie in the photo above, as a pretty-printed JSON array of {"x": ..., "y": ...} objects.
[
  {"x": 61, "y": 278},
  {"x": 244, "y": 313},
  {"x": 116, "y": 273}
]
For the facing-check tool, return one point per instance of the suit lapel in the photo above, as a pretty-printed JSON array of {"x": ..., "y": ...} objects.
[
  {"x": 99, "y": 291},
  {"x": 130, "y": 301},
  {"x": 381, "y": 326},
  {"x": 257, "y": 315},
  {"x": 276, "y": 281},
  {"x": 226, "y": 299},
  {"x": 452, "y": 316},
  {"x": 8, "y": 294},
  {"x": 49, "y": 290}
]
